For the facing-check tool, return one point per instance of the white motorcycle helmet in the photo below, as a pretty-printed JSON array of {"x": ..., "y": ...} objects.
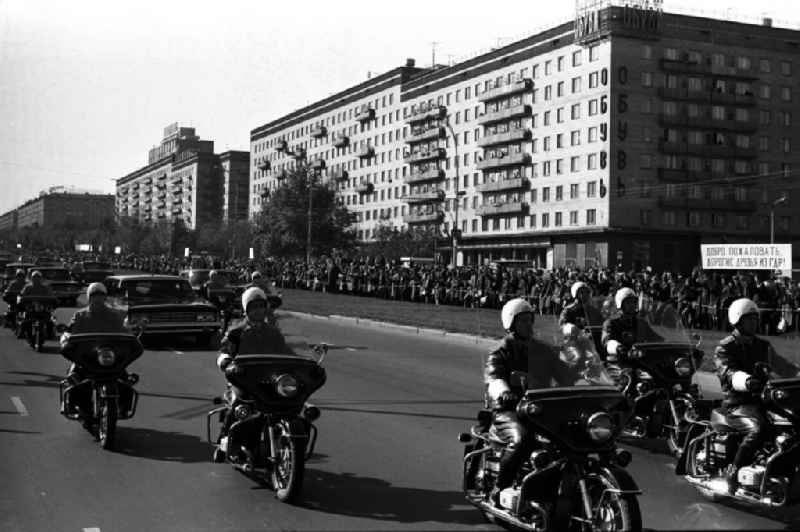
[
  {"x": 623, "y": 294},
  {"x": 570, "y": 331},
  {"x": 575, "y": 287},
  {"x": 741, "y": 307},
  {"x": 252, "y": 294},
  {"x": 511, "y": 309}
]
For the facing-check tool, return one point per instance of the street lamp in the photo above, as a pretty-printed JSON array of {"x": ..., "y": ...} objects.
[
  {"x": 775, "y": 203},
  {"x": 454, "y": 232}
]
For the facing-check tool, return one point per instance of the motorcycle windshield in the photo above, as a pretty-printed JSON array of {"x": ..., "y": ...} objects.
[
  {"x": 102, "y": 353},
  {"x": 279, "y": 380},
  {"x": 578, "y": 354}
]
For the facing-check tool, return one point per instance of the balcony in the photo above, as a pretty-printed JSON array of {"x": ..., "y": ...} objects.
[
  {"x": 341, "y": 141},
  {"x": 426, "y": 175},
  {"x": 365, "y": 114},
  {"x": 177, "y": 201},
  {"x": 730, "y": 124},
  {"x": 672, "y": 120},
  {"x": 340, "y": 174},
  {"x": 432, "y": 133},
  {"x": 424, "y": 197},
  {"x": 684, "y": 94},
  {"x": 435, "y": 217},
  {"x": 177, "y": 181},
  {"x": 497, "y": 209},
  {"x": 672, "y": 147},
  {"x": 264, "y": 165},
  {"x": 281, "y": 145},
  {"x": 514, "y": 159},
  {"x": 319, "y": 131},
  {"x": 427, "y": 155},
  {"x": 686, "y": 67},
  {"x": 516, "y": 135},
  {"x": 516, "y": 111},
  {"x": 704, "y": 204},
  {"x": 367, "y": 152},
  {"x": 283, "y": 174},
  {"x": 504, "y": 184},
  {"x": 318, "y": 164},
  {"x": 726, "y": 98},
  {"x": 365, "y": 188},
  {"x": 177, "y": 210},
  {"x": 515, "y": 87},
  {"x": 427, "y": 112}
]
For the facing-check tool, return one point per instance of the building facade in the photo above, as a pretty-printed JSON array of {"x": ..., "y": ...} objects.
[
  {"x": 628, "y": 136},
  {"x": 235, "y": 168},
  {"x": 59, "y": 207},
  {"x": 183, "y": 182}
]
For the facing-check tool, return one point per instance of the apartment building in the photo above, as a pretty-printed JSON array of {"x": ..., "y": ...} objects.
[{"x": 628, "y": 136}]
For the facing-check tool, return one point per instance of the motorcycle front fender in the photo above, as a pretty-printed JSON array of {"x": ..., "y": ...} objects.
[
  {"x": 623, "y": 478},
  {"x": 695, "y": 430}
]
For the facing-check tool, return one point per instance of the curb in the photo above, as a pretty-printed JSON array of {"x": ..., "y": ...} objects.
[{"x": 424, "y": 331}]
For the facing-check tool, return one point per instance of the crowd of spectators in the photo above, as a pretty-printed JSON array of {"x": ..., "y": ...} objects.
[{"x": 700, "y": 299}]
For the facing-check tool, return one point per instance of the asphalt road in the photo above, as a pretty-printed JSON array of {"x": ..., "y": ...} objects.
[{"x": 387, "y": 457}]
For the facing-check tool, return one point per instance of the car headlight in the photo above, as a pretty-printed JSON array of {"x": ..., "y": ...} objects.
[
  {"x": 206, "y": 316},
  {"x": 242, "y": 411},
  {"x": 600, "y": 427},
  {"x": 683, "y": 367},
  {"x": 286, "y": 385},
  {"x": 106, "y": 357}
]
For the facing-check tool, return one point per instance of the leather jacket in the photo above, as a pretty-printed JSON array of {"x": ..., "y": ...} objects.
[
  {"x": 739, "y": 354},
  {"x": 249, "y": 338},
  {"x": 535, "y": 358},
  {"x": 33, "y": 290},
  {"x": 626, "y": 331},
  {"x": 102, "y": 320}
]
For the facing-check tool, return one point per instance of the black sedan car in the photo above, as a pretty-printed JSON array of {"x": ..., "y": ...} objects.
[{"x": 164, "y": 305}]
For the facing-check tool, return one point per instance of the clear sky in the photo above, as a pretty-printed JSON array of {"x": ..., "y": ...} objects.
[{"x": 87, "y": 86}]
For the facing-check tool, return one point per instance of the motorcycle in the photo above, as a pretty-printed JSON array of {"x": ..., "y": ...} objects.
[
  {"x": 576, "y": 477},
  {"x": 105, "y": 386},
  {"x": 10, "y": 317},
  {"x": 773, "y": 479},
  {"x": 35, "y": 319},
  {"x": 658, "y": 381},
  {"x": 271, "y": 430},
  {"x": 224, "y": 300}
]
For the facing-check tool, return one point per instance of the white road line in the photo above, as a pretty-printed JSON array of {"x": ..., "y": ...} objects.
[
  {"x": 92, "y": 529},
  {"x": 176, "y": 352},
  {"x": 20, "y": 406}
]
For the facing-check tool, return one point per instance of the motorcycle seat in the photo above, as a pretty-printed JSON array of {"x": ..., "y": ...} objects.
[{"x": 719, "y": 422}]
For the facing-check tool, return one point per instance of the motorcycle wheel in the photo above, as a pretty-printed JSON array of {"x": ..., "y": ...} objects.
[
  {"x": 288, "y": 466},
  {"x": 617, "y": 512},
  {"x": 676, "y": 434},
  {"x": 108, "y": 425}
]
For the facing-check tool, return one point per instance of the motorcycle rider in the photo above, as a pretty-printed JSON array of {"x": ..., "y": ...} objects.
[
  {"x": 518, "y": 351},
  {"x": 626, "y": 329},
  {"x": 215, "y": 282},
  {"x": 35, "y": 288},
  {"x": 582, "y": 313},
  {"x": 97, "y": 317},
  {"x": 10, "y": 296},
  {"x": 735, "y": 358},
  {"x": 253, "y": 335}
]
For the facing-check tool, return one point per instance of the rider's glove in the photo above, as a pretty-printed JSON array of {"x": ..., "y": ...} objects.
[
  {"x": 754, "y": 384},
  {"x": 223, "y": 360},
  {"x": 507, "y": 400}
]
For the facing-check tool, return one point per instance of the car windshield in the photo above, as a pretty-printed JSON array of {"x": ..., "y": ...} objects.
[
  {"x": 55, "y": 275},
  {"x": 157, "y": 289},
  {"x": 197, "y": 277}
]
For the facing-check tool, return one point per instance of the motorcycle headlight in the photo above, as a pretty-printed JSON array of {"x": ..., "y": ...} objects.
[
  {"x": 600, "y": 427},
  {"x": 683, "y": 367},
  {"x": 635, "y": 354},
  {"x": 242, "y": 411},
  {"x": 206, "y": 316},
  {"x": 286, "y": 385},
  {"x": 106, "y": 357}
]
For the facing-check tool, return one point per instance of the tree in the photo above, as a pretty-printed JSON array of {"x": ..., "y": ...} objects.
[
  {"x": 392, "y": 243},
  {"x": 283, "y": 223}
]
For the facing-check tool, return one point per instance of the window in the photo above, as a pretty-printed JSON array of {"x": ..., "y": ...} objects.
[
  {"x": 576, "y": 85},
  {"x": 742, "y": 221},
  {"x": 742, "y": 115},
  {"x": 647, "y": 79},
  {"x": 575, "y": 164},
  {"x": 576, "y": 58},
  {"x": 787, "y": 145},
  {"x": 764, "y": 92},
  {"x": 559, "y": 193},
  {"x": 593, "y": 134},
  {"x": 560, "y": 63},
  {"x": 671, "y": 54},
  {"x": 786, "y": 94},
  {"x": 764, "y": 65},
  {"x": 786, "y": 68},
  {"x": 591, "y": 216},
  {"x": 573, "y": 191},
  {"x": 548, "y": 93},
  {"x": 545, "y": 194},
  {"x": 560, "y": 115},
  {"x": 669, "y": 218},
  {"x": 546, "y": 143},
  {"x": 560, "y": 89},
  {"x": 573, "y": 217},
  {"x": 560, "y": 140},
  {"x": 718, "y": 112},
  {"x": 592, "y": 161},
  {"x": 645, "y": 216},
  {"x": 592, "y": 107},
  {"x": 717, "y": 220},
  {"x": 535, "y": 71},
  {"x": 560, "y": 166},
  {"x": 546, "y": 120},
  {"x": 647, "y": 51},
  {"x": 694, "y": 219},
  {"x": 647, "y": 105},
  {"x": 594, "y": 78},
  {"x": 558, "y": 220},
  {"x": 743, "y": 62},
  {"x": 764, "y": 117},
  {"x": 548, "y": 67},
  {"x": 591, "y": 189},
  {"x": 785, "y": 118},
  {"x": 575, "y": 137},
  {"x": 594, "y": 53},
  {"x": 546, "y": 168},
  {"x": 763, "y": 144},
  {"x": 545, "y": 219},
  {"x": 576, "y": 111},
  {"x": 695, "y": 84}
]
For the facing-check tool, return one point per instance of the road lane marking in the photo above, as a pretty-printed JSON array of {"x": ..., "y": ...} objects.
[
  {"x": 92, "y": 529},
  {"x": 176, "y": 352},
  {"x": 20, "y": 406}
]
